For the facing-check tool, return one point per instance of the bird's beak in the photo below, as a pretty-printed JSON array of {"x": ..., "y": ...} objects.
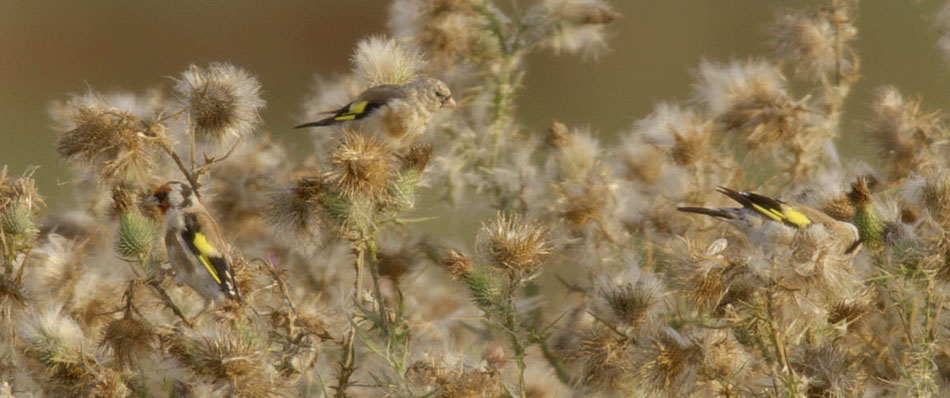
[
  {"x": 451, "y": 104},
  {"x": 151, "y": 200}
]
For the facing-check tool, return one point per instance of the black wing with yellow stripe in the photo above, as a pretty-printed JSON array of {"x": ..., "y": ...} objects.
[
  {"x": 353, "y": 111},
  {"x": 769, "y": 207},
  {"x": 209, "y": 256}
]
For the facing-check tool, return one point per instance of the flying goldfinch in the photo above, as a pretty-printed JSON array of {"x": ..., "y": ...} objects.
[
  {"x": 400, "y": 112},
  {"x": 764, "y": 219},
  {"x": 195, "y": 248}
]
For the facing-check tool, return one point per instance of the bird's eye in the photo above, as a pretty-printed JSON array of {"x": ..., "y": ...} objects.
[{"x": 440, "y": 94}]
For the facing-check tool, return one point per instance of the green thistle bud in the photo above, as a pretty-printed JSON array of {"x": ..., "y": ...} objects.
[
  {"x": 17, "y": 221},
  {"x": 866, "y": 217},
  {"x": 136, "y": 235},
  {"x": 870, "y": 225},
  {"x": 402, "y": 189},
  {"x": 350, "y": 215},
  {"x": 484, "y": 287}
]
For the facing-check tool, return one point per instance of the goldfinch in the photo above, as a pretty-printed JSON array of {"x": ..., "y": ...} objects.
[
  {"x": 399, "y": 112},
  {"x": 766, "y": 220},
  {"x": 195, "y": 248}
]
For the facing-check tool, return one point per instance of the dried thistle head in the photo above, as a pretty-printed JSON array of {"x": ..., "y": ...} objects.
[
  {"x": 446, "y": 382},
  {"x": 380, "y": 60},
  {"x": 849, "y": 314},
  {"x": 514, "y": 244},
  {"x": 816, "y": 44},
  {"x": 457, "y": 264},
  {"x": 297, "y": 207},
  {"x": 116, "y": 144},
  {"x": 361, "y": 166},
  {"x": 127, "y": 339},
  {"x": 417, "y": 157},
  {"x": 936, "y": 197},
  {"x": 839, "y": 208},
  {"x": 558, "y": 135},
  {"x": 673, "y": 363},
  {"x": 578, "y": 25},
  {"x": 632, "y": 303},
  {"x": 580, "y": 207},
  {"x": 221, "y": 100},
  {"x": 830, "y": 372},
  {"x": 54, "y": 343},
  {"x": 226, "y": 357},
  {"x": 904, "y": 133},
  {"x": 444, "y": 29},
  {"x": 12, "y": 294},
  {"x": 605, "y": 358},
  {"x": 642, "y": 164},
  {"x": 20, "y": 188},
  {"x": 752, "y": 98},
  {"x": 691, "y": 146},
  {"x": 495, "y": 354}
]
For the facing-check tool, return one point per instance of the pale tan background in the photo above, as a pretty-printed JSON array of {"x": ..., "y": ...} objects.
[{"x": 50, "y": 48}]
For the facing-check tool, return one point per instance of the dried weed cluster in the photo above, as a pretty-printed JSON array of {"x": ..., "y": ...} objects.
[{"x": 586, "y": 282}]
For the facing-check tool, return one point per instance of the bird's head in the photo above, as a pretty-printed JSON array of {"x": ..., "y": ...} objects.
[
  {"x": 436, "y": 92},
  {"x": 171, "y": 195}
]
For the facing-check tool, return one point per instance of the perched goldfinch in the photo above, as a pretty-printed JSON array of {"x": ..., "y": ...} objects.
[
  {"x": 399, "y": 112},
  {"x": 195, "y": 248},
  {"x": 764, "y": 219}
]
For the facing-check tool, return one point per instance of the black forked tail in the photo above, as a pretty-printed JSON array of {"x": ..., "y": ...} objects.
[
  {"x": 323, "y": 122},
  {"x": 707, "y": 211}
]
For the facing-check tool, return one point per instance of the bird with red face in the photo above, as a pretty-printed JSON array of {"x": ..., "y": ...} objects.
[{"x": 197, "y": 252}]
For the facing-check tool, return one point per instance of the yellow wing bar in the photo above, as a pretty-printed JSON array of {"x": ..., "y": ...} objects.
[
  {"x": 786, "y": 215},
  {"x": 205, "y": 249},
  {"x": 352, "y": 111}
]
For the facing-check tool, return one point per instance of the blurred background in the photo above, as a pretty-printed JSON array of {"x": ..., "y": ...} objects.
[{"x": 50, "y": 48}]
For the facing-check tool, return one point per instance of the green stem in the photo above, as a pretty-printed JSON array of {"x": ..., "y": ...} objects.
[
  {"x": 510, "y": 322},
  {"x": 374, "y": 271},
  {"x": 555, "y": 363}
]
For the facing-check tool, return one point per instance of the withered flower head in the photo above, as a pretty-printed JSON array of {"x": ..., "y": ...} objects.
[
  {"x": 816, "y": 44},
  {"x": 860, "y": 194},
  {"x": 514, "y": 244},
  {"x": 381, "y": 60},
  {"x": 116, "y": 144},
  {"x": 446, "y": 29},
  {"x": 128, "y": 339},
  {"x": 674, "y": 363},
  {"x": 936, "y": 197},
  {"x": 905, "y": 133},
  {"x": 752, "y": 98},
  {"x": 417, "y": 157},
  {"x": 579, "y": 25},
  {"x": 221, "y": 100},
  {"x": 19, "y": 204},
  {"x": 829, "y": 372},
  {"x": 839, "y": 208},
  {"x": 445, "y": 382},
  {"x": 585, "y": 204},
  {"x": 605, "y": 358},
  {"x": 631, "y": 303},
  {"x": 457, "y": 264},
  {"x": 558, "y": 135},
  {"x": 295, "y": 206},
  {"x": 226, "y": 357},
  {"x": 361, "y": 166}
]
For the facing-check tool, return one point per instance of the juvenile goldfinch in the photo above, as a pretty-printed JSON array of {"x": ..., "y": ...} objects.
[
  {"x": 399, "y": 112},
  {"x": 195, "y": 248},
  {"x": 765, "y": 220}
]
